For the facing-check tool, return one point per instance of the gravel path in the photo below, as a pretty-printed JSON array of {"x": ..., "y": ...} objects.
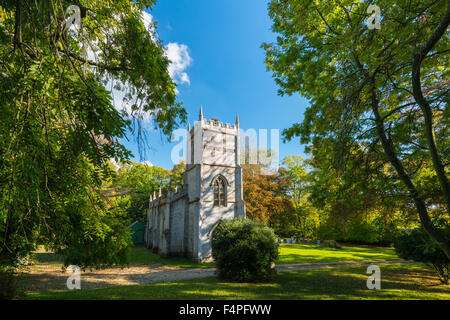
[{"x": 43, "y": 278}]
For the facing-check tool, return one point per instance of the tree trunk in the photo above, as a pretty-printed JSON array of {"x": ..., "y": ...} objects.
[
  {"x": 425, "y": 220},
  {"x": 425, "y": 106}
]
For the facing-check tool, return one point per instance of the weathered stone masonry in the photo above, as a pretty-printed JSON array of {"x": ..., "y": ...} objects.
[{"x": 181, "y": 222}]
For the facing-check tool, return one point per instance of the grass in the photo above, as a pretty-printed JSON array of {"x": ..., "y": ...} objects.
[
  {"x": 141, "y": 255},
  {"x": 296, "y": 253},
  {"x": 397, "y": 282},
  {"x": 42, "y": 256},
  {"x": 289, "y": 253}
]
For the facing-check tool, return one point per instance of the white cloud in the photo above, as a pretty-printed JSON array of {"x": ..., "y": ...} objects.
[
  {"x": 180, "y": 59},
  {"x": 177, "y": 53},
  {"x": 147, "y": 18}
]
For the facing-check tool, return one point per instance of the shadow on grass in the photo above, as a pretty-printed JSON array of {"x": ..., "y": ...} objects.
[
  {"x": 54, "y": 279},
  {"x": 348, "y": 283},
  {"x": 140, "y": 255}
]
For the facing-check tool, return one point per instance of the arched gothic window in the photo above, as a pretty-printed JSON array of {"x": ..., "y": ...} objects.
[{"x": 220, "y": 192}]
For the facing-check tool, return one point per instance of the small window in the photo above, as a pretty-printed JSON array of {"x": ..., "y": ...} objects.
[{"x": 219, "y": 192}]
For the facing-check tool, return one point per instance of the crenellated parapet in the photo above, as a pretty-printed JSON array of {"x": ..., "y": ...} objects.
[
  {"x": 213, "y": 123},
  {"x": 169, "y": 196}
]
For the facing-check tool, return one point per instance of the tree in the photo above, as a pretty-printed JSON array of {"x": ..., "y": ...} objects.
[
  {"x": 131, "y": 187},
  {"x": 365, "y": 86},
  {"x": 176, "y": 175},
  {"x": 296, "y": 175},
  {"x": 265, "y": 195},
  {"x": 59, "y": 125},
  {"x": 295, "y": 172},
  {"x": 355, "y": 195}
]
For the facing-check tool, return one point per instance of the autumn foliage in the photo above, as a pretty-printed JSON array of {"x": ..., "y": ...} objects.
[{"x": 265, "y": 195}]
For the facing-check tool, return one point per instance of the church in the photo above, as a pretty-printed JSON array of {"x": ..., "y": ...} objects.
[{"x": 181, "y": 222}]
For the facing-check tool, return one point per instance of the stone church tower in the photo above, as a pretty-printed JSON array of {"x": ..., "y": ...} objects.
[{"x": 181, "y": 223}]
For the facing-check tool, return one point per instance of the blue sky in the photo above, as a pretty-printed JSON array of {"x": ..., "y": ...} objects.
[{"x": 226, "y": 73}]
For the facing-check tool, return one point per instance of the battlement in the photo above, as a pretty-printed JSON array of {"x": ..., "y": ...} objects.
[
  {"x": 171, "y": 195},
  {"x": 215, "y": 123}
]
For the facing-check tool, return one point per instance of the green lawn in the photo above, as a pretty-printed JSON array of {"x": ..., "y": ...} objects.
[
  {"x": 139, "y": 255},
  {"x": 289, "y": 253},
  {"x": 397, "y": 282},
  {"x": 142, "y": 255},
  {"x": 292, "y": 253}
]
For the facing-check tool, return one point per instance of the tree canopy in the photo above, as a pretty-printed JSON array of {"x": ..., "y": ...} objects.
[
  {"x": 382, "y": 93},
  {"x": 131, "y": 186},
  {"x": 60, "y": 125}
]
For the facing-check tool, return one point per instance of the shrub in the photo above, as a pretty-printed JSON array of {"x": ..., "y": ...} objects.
[
  {"x": 330, "y": 230},
  {"x": 358, "y": 230},
  {"x": 416, "y": 245},
  {"x": 244, "y": 250}
]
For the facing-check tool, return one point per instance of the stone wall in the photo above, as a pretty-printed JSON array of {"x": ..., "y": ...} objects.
[{"x": 165, "y": 231}]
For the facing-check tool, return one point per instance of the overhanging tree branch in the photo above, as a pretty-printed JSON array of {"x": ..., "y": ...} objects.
[
  {"x": 386, "y": 142},
  {"x": 425, "y": 106},
  {"x": 95, "y": 64}
]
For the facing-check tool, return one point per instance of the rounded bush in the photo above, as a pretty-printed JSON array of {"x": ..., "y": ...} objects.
[{"x": 244, "y": 251}]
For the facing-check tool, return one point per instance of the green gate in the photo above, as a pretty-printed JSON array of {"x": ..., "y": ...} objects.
[{"x": 137, "y": 232}]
